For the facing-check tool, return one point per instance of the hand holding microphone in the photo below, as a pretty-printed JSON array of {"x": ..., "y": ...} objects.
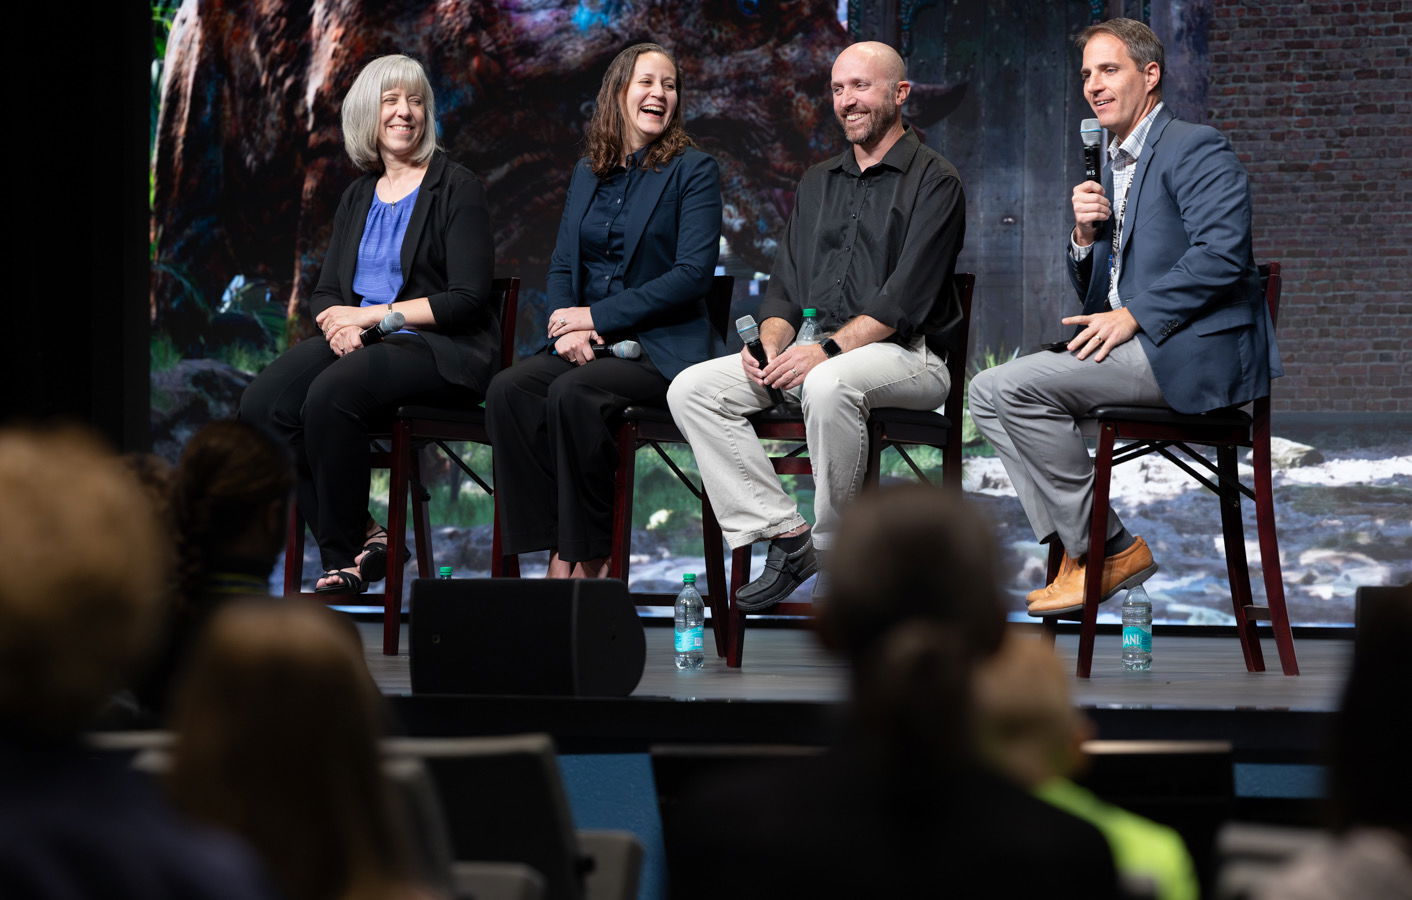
[
  {"x": 750, "y": 336},
  {"x": 1091, "y": 206},
  {"x": 390, "y": 324},
  {"x": 619, "y": 350}
]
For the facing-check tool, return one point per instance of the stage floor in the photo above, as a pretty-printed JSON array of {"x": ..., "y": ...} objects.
[{"x": 1189, "y": 672}]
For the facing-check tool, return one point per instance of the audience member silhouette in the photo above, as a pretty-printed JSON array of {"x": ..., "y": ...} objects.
[
  {"x": 1370, "y": 795},
  {"x": 1028, "y": 727},
  {"x": 278, "y": 723},
  {"x": 79, "y": 604},
  {"x": 900, "y": 806},
  {"x": 229, "y": 499}
]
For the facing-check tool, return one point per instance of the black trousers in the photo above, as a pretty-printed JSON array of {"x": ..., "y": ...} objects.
[
  {"x": 555, "y": 452},
  {"x": 324, "y": 406}
]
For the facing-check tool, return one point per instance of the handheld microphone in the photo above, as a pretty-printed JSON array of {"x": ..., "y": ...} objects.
[
  {"x": 390, "y": 324},
  {"x": 1091, "y": 134},
  {"x": 621, "y": 350},
  {"x": 750, "y": 333}
]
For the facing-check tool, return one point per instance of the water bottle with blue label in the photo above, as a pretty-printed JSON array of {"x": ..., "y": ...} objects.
[
  {"x": 1137, "y": 631},
  {"x": 690, "y": 625}
]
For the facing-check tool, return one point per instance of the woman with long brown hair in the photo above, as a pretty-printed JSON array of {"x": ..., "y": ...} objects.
[
  {"x": 901, "y": 805},
  {"x": 278, "y": 723},
  {"x": 228, "y": 500},
  {"x": 634, "y": 259}
]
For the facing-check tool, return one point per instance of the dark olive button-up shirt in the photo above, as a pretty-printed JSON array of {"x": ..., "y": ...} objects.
[{"x": 880, "y": 243}]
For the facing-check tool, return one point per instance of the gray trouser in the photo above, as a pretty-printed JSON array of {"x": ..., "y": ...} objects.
[
  {"x": 710, "y": 401},
  {"x": 1029, "y": 408}
]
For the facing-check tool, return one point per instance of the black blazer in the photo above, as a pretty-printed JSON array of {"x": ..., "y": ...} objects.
[
  {"x": 670, "y": 242},
  {"x": 448, "y": 257}
]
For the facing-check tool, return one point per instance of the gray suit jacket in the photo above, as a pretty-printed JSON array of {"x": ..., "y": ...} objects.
[{"x": 1188, "y": 273}]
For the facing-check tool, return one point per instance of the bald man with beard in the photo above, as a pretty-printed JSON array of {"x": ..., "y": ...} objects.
[{"x": 871, "y": 245}]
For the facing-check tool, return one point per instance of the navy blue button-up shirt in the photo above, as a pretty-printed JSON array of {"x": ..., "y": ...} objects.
[{"x": 601, "y": 234}]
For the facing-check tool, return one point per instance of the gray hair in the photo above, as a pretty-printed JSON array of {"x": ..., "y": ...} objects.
[
  {"x": 1142, "y": 43},
  {"x": 362, "y": 106}
]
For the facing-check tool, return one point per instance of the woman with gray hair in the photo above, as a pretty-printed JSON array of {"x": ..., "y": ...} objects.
[{"x": 411, "y": 236}]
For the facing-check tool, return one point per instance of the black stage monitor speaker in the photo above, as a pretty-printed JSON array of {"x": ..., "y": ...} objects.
[{"x": 558, "y": 637}]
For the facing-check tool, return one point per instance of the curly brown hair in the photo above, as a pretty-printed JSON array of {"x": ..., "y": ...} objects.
[{"x": 605, "y": 130}]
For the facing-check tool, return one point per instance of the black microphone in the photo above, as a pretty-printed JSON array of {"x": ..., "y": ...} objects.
[
  {"x": 390, "y": 324},
  {"x": 1091, "y": 134},
  {"x": 620, "y": 350},
  {"x": 750, "y": 333}
]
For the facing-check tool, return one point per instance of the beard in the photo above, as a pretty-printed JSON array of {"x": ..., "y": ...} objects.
[{"x": 878, "y": 120}]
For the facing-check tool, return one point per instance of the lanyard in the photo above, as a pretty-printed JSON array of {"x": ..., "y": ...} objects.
[{"x": 1116, "y": 251}]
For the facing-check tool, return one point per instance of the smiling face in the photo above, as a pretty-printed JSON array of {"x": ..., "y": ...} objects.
[
  {"x": 1119, "y": 92},
  {"x": 867, "y": 95},
  {"x": 402, "y": 120},
  {"x": 649, "y": 101}
]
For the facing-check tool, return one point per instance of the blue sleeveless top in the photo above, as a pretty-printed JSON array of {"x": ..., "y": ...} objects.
[{"x": 377, "y": 277}]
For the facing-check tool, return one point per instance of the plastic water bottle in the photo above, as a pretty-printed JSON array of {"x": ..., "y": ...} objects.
[
  {"x": 809, "y": 331},
  {"x": 444, "y": 572},
  {"x": 690, "y": 625},
  {"x": 1137, "y": 631}
]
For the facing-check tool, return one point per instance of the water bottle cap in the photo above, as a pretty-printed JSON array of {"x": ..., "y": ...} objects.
[
  {"x": 810, "y": 313},
  {"x": 444, "y": 571},
  {"x": 689, "y": 578}
]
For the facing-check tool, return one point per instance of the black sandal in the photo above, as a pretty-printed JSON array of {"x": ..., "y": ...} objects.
[
  {"x": 374, "y": 563},
  {"x": 349, "y": 583}
]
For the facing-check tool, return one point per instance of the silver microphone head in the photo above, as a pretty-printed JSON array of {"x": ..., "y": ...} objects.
[
  {"x": 392, "y": 322},
  {"x": 747, "y": 329},
  {"x": 1091, "y": 132},
  {"x": 626, "y": 349}
]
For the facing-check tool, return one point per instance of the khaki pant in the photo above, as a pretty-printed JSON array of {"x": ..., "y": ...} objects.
[{"x": 710, "y": 401}]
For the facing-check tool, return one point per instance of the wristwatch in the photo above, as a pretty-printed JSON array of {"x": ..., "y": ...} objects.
[{"x": 831, "y": 348}]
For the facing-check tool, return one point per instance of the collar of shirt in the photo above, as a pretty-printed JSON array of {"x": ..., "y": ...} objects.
[
  {"x": 1129, "y": 150},
  {"x": 633, "y": 160},
  {"x": 898, "y": 157}
]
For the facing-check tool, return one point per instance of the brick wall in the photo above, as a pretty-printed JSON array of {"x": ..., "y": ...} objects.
[{"x": 1317, "y": 100}]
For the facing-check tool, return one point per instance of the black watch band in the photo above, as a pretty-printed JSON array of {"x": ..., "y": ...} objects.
[{"x": 831, "y": 348}]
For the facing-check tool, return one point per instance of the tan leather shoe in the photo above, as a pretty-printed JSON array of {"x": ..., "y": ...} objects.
[
  {"x": 1120, "y": 572},
  {"x": 1065, "y": 565}
]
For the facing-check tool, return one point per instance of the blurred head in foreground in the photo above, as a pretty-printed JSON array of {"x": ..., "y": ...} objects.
[
  {"x": 913, "y": 604},
  {"x": 1026, "y": 722},
  {"x": 278, "y": 723},
  {"x": 80, "y": 598},
  {"x": 230, "y": 495}
]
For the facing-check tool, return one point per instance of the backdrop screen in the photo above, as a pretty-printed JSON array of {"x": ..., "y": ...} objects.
[{"x": 248, "y": 164}]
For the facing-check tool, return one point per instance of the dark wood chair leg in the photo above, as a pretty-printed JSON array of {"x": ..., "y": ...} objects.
[
  {"x": 294, "y": 551},
  {"x": 1051, "y": 623},
  {"x": 1237, "y": 570},
  {"x": 1097, "y": 535},
  {"x": 717, "y": 589},
  {"x": 396, "y": 533},
  {"x": 1269, "y": 545},
  {"x": 421, "y": 520},
  {"x": 623, "y": 478},
  {"x": 740, "y": 576}
]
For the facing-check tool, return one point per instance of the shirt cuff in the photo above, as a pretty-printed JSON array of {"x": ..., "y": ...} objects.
[{"x": 1077, "y": 253}]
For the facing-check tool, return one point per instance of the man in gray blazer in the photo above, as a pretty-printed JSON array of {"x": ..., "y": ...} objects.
[{"x": 1173, "y": 314}]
